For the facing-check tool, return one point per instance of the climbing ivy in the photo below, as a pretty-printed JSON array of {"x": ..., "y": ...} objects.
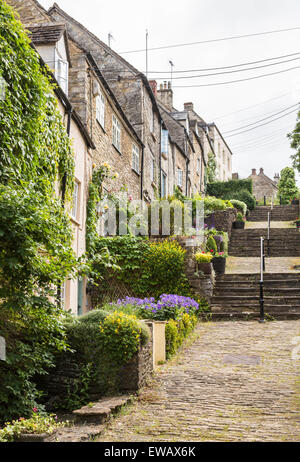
[{"x": 35, "y": 233}]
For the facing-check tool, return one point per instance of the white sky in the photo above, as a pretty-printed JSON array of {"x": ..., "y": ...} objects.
[{"x": 172, "y": 22}]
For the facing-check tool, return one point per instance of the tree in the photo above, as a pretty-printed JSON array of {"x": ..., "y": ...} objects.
[
  {"x": 295, "y": 144},
  {"x": 287, "y": 188}
]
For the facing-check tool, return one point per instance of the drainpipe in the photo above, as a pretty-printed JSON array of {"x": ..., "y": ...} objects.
[
  {"x": 64, "y": 180},
  {"x": 142, "y": 172}
]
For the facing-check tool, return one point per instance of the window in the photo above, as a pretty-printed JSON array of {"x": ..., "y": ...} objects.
[
  {"x": 100, "y": 109},
  {"x": 164, "y": 141},
  {"x": 135, "y": 158},
  {"x": 163, "y": 184},
  {"x": 74, "y": 211},
  {"x": 61, "y": 74},
  {"x": 179, "y": 177},
  {"x": 116, "y": 135}
]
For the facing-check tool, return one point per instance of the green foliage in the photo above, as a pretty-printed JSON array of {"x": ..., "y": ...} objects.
[
  {"x": 211, "y": 245},
  {"x": 240, "y": 206},
  {"x": 177, "y": 330},
  {"x": 35, "y": 233},
  {"x": 201, "y": 257},
  {"x": 211, "y": 168},
  {"x": 36, "y": 424},
  {"x": 212, "y": 204},
  {"x": 287, "y": 188},
  {"x": 239, "y": 217},
  {"x": 246, "y": 197},
  {"x": 223, "y": 189},
  {"x": 294, "y": 137},
  {"x": 142, "y": 266},
  {"x": 240, "y": 190}
]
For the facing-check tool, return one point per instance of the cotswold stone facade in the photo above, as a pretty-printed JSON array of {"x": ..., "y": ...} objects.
[{"x": 263, "y": 186}]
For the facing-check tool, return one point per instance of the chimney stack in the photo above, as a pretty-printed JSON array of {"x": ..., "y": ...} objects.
[
  {"x": 189, "y": 106},
  {"x": 261, "y": 170},
  {"x": 153, "y": 85},
  {"x": 253, "y": 171},
  {"x": 165, "y": 95}
]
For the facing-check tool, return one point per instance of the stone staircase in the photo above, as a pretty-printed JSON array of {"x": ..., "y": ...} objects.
[
  {"x": 279, "y": 213},
  {"x": 284, "y": 242},
  {"x": 236, "y": 296}
]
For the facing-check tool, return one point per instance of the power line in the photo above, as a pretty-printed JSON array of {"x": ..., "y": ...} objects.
[
  {"x": 235, "y": 81},
  {"x": 225, "y": 67},
  {"x": 212, "y": 40},
  {"x": 233, "y": 71},
  {"x": 269, "y": 136},
  {"x": 261, "y": 125},
  {"x": 261, "y": 120}
]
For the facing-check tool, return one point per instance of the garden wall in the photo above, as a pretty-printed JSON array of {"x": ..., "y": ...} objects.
[
  {"x": 67, "y": 375},
  {"x": 222, "y": 220}
]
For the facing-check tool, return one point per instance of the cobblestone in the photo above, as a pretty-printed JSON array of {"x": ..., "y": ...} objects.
[{"x": 201, "y": 396}]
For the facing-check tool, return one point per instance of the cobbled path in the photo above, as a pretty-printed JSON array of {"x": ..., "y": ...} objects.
[{"x": 237, "y": 382}]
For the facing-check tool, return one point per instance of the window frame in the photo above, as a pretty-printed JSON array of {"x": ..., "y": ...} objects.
[
  {"x": 100, "y": 109},
  {"x": 58, "y": 75},
  {"x": 179, "y": 176},
  {"x": 75, "y": 201},
  {"x": 116, "y": 133},
  {"x": 135, "y": 158}
]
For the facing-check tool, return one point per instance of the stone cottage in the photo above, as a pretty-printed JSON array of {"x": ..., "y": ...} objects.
[{"x": 263, "y": 186}]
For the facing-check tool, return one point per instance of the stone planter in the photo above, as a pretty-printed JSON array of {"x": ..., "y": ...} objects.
[
  {"x": 219, "y": 265},
  {"x": 238, "y": 225},
  {"x": 205, "y": 268}
]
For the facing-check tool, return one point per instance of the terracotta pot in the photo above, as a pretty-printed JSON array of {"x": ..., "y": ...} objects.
[{"x": 219, "y": 265}]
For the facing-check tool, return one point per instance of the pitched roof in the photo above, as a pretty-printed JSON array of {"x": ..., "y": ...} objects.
[
  {"x": 175, "y": 129},
  {"x": 46, "y": 33}
]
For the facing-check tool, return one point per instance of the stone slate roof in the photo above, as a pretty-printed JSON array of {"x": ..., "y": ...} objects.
[{"x": 46, "y": 33}]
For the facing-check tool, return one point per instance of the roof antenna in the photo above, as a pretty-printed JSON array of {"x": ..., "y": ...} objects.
[
  {"x": 110, "y": 37},
  {"x": 172, "y": 65}
]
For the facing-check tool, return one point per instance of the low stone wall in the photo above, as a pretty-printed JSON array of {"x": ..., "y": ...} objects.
[
  {"x": 65, "y": 378},
  {"x": 222, "y": 220}
]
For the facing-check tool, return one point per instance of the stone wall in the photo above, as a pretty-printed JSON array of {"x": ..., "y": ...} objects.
[
  {"x": 222, "y": 220},
  {"x": 66, "y": 376}
]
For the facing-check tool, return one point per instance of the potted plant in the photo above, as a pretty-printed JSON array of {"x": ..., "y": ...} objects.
[
  {"x": 219, "y": 262},
  {"x": 203, "y": 261},
  {"x": 295, "y": 201},
  {"x": 239, "y": 223},
  {"x": 297, "y": 223}
]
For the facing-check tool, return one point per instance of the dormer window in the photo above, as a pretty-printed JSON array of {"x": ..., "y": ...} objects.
[{"x": 61, "y": 74}]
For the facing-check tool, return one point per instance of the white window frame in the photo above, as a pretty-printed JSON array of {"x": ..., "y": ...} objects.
[
  {"x": 179, "y": 177},
  {"x": 62, "y": 78},
  {"x": 135, "y": 158},
  {"x": 164, "y": 141},
  {"x": 100, "y": 109},
  {"x": 116, "y": 133},
  {"x": 75, "y": 204}
]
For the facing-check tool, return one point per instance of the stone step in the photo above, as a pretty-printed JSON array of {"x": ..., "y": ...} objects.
[
  {"x": 249, "y": 300},
  {"x": 256, "y": 276},
  {"x": 252, "y": 309},
  {"x": 100, "y": 411},
  {"x": 281, "y": 316},
  {"x": 245, "y": 291},
  {"x": 275, "y": 283}
]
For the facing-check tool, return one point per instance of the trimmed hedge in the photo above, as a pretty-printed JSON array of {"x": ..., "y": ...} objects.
[{"x": 225, "y": 188}]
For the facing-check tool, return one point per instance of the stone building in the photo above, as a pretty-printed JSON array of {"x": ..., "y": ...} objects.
[{"x": 263, "y": 186}]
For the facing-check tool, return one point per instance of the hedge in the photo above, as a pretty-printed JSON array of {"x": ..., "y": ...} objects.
[{"x": 223, "y": 189}]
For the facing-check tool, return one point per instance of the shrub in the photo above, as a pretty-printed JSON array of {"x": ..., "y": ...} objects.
[
  {"x": 287, "y": 188},
  {"x": 211, "y": 245},
  {"x": 211, "y": 204},
  {"x": 240, "y": 206},
  {"x": 202, "y": 257},
  {"x": 177, "y": 330},
  {"x": 225, "y": 188},
  {"x": 246, "y": 197},
  {"x": 239, "y": 217}
]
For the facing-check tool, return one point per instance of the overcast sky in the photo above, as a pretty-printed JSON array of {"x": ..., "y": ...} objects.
[{"x": 230, "y": 106}]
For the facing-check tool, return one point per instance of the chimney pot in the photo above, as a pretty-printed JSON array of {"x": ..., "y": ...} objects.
[
  {"x": 188, "y": 106},
  {"x": 153, "y": 85},
  {"x": 261, "y": 170}
]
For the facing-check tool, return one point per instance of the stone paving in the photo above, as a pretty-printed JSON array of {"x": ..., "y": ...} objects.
[
  {"x": 237, "y": 382},
  {"x": 252, "y": 265},
  {"x": 264, "y": 224}
]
